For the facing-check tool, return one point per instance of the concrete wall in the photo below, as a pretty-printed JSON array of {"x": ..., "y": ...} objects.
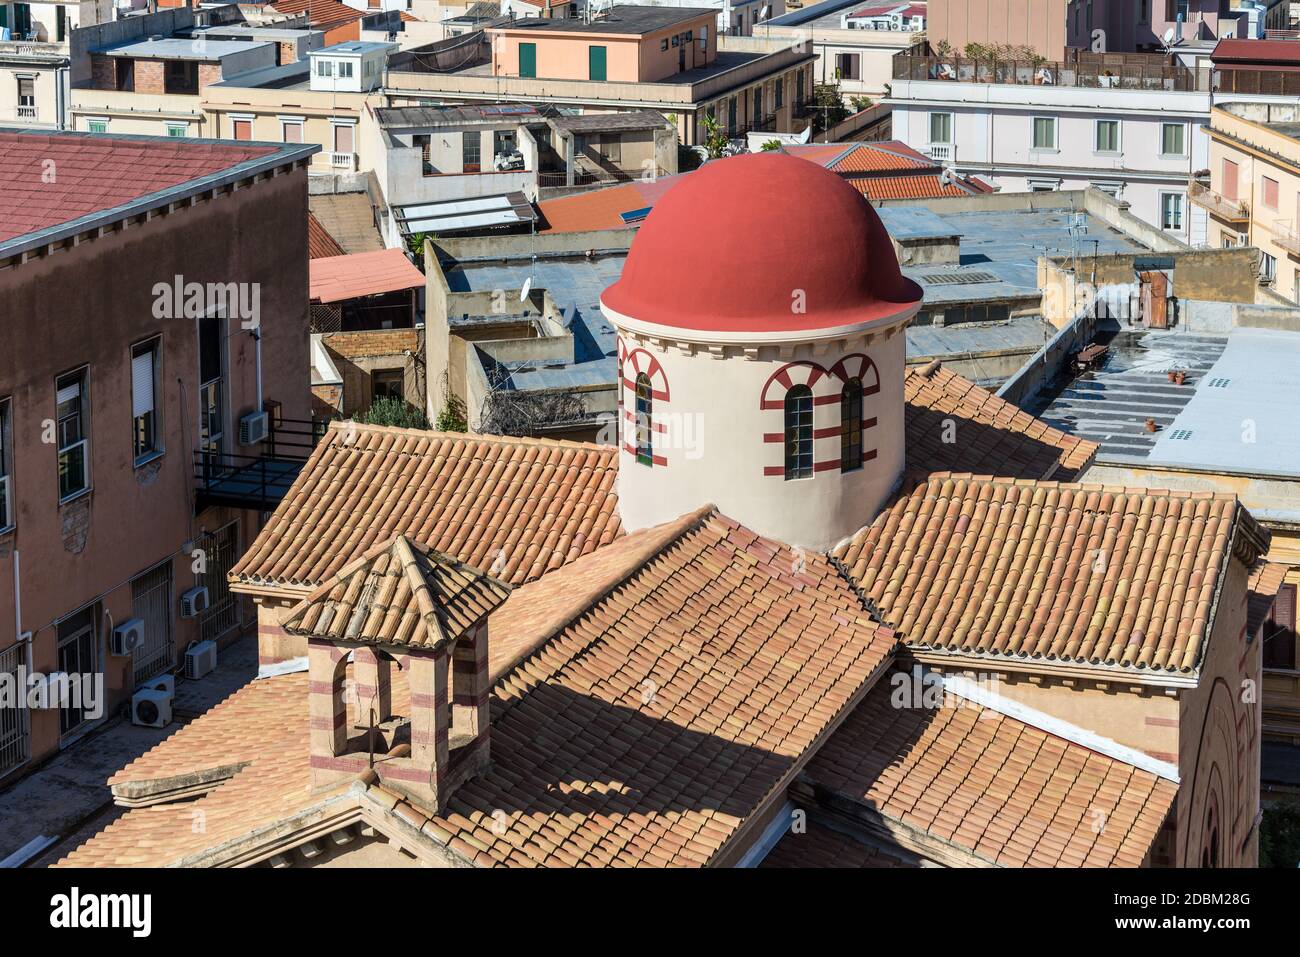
[
  {"x": 1036, "y": 23},
  {"x": 135, "y": 517}
]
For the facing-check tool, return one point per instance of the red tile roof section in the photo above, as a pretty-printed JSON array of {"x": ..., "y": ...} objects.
[
  {"x": 54, "y": 179},
  {"x": 336, "y": 278},
  {"x": 515, "y": 507},
  {"x": 994, "y": 786},
  {"x": 1083, "y": 575},
  {"x": 320, "y": 243},
  {"x": 954, "y": 425}
]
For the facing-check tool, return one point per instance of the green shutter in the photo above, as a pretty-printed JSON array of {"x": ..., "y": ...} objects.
[
  {"x": 596, "y": 63},
  {"x": 528, "y": 59},
  {"x": 61, "y": 19}
]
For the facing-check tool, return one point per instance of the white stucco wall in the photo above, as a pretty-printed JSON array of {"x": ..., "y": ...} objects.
[{"x": 716, "y": 442}]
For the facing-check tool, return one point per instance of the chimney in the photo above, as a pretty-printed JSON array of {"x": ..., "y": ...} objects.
[{"x": 397, "y": 652}]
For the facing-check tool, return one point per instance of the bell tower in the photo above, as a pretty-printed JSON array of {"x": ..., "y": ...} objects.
[{"x": 397, "y": 653}]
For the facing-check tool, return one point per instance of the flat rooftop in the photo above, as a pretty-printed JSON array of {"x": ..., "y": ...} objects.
[
  {"x": 401, "y": 117},
  {"x": 999, "y": 247},
  {"x": 575, "y": 283},
  {"x": 177, "y": 48},
  {"x": 623, "y": 18},
  {"x": 1236, "y": 381}
]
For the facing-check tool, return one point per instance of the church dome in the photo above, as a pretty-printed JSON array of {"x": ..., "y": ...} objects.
[{"x": 761, "y": 243}]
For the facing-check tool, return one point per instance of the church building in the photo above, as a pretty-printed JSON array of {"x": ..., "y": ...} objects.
[{"x": 813, "y": 608}]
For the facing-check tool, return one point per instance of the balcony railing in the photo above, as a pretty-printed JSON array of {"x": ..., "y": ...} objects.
[
  {"x": 256, "y": 481},
  {"x": 1286, "y": 236},
  {"x": 343, "y": 161},
  {"x": 27, "y": 113},
  {"x": 1132, "y": 72},
  {"x": 586, "y": 177},
  {"x": 1231, "y": 210},
  {"x": 942, "y": 152}
]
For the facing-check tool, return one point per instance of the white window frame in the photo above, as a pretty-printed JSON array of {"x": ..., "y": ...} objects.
[
  {"x": 82, "y": 373},
  {"x": 184, "y": 129},
  {"x": 1182, "y": 211},
  {"x": 298, "y": 121},
  {"x": 154, "y": 347},
  {"x": 1033, "y": 130},
  {"x": 1119, "y": 138},
  {"x": 8, "y": 513},
  {"x": 951, "y": 128},
  {"x": 1183, "y": 137},
  {"x": 91, "y": 120},
  {"x": 1267, "y": 266}
]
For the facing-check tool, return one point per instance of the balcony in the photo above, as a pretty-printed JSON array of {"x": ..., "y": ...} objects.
[
  {"x": 1286, "y": 236},
  {"x": 345, "y": 162},
  {"x": 27, "y": 113},
  {"x": 1229, "y": 210},
  {"x": 257, "y": 482},
  {"x": 942, "y": 152},
  {"x": 1131, "y": 71}
]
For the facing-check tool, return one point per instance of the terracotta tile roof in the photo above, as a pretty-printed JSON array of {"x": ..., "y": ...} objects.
[
  {"x": 253, "y": 752},
  {"x": 992, "y": 436},
  {"x": 1072, "y": 574},
  {"x": 1264, "y": 583},
  {"x": 321, "y": 12},
  {"x": 694, "y": 670},
  {"x": 912, "y": 186},
  {"x": 398, "y": 593},
  {"x": 319, "y": 242},
  {"x": 1004, "y": 790},
  {"x": 601, "y": 208},
  {"x": 821, "y": 846},
  {"x": 653, "y": 724},
  {"x": 336, "y": 278},
  {"x": 97, "y": 173},
  {"x": 1247, "y": 50},
  {"x": 516, "y": 507}
]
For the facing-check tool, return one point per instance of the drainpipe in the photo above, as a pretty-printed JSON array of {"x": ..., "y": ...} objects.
[{"x": 18, "y": 612}]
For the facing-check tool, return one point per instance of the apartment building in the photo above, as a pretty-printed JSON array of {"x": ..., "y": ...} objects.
[
  {"x": 148, "y": 74},
  {"x": 35, "y": 57},
  {"x": 666, "y": 59},
  {"x": 135, "y": 419},
  {"x": 1129, "y": 26},
  {"x": 850, "y": 50},
  {"x": 1133, "y": 131},
  {"x": 318, "y": 100},
  {"x": 1037, "y": 24},
  {"x": 1252, "y": 192}
]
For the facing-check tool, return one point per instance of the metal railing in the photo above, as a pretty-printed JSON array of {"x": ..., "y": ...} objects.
[
  {"x": 256, "y": 481},
  {"x": 1286, "y": 236},
  {"x": 15, "y": 740},
  {"x": 1234, "y": 210},
  {"x": 1121, "y": 73}
]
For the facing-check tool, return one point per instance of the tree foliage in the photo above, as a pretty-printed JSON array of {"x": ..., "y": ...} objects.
[
  {"x": 1279, "y": 835},
  {"x": 392, "y": 411}
]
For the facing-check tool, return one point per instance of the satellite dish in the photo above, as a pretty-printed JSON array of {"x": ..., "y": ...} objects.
[
  {"x": 948, "y": 176},
  {"x": 1168, "y": 37},
  {"x": 806, "y": 135},
  {"x": 528, "y": 287}
]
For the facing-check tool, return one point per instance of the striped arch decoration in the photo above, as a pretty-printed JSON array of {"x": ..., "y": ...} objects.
[
  {"x": 858, "y": 366},
  {"x": 638, "y": 361},
  {"x": 826, "y": 386},
  {"x": 634, "y": 363},
  {"x": 801, "y": 372}
]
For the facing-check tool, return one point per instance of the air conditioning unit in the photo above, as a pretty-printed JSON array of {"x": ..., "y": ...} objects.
[
  {"x": 151, "y": 707},
  {"x": 253, "y": 428},
  {"x": 127, "y": 637},
  {"x": 200, "y": 659},
  {"x": 194, "y": 601}
]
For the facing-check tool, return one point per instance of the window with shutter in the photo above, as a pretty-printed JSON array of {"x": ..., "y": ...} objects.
[
  {"x": 1280, "y": 631},
  {"x": 72, "y": 432},
  {"x": 144, "y": 381}
]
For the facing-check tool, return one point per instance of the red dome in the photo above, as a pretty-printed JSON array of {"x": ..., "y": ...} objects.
[{"x": 726, "y": 248}]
